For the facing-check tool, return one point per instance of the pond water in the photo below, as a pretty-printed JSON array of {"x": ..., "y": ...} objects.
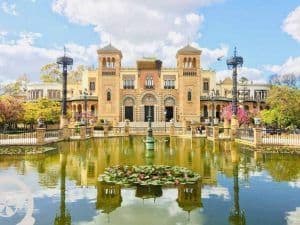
[{"x": 237, "y": 186}]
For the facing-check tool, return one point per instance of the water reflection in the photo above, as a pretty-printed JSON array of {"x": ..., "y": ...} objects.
[
  {"x": 225, "y": 168},
  {"x": 64, "y": 217}
]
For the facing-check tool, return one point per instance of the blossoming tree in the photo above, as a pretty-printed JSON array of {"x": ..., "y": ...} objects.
[{"x": 242, "y": 115}]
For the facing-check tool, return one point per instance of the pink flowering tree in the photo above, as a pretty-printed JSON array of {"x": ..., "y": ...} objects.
[{"x": 242, "y": 115}]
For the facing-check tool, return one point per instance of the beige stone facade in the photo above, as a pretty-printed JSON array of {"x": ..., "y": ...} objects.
[
  {"x": 183, "y": 93},
  {"x": 149, "y": 88}
]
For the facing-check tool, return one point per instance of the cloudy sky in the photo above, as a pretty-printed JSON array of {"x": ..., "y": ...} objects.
[{"x": 266, "y": 33}]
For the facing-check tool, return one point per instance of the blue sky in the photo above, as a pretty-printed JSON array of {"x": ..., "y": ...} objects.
[{"x": 266, "y": 33}]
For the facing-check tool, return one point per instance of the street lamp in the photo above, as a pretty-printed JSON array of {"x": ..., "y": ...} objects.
[
  {"x": 233, "y": 63},
  {"x": 165, "y": 113},
  {"x": 85, "y": 93},
  {"x": 212, "y": 97},
  {"x": 65, "y": 62}
]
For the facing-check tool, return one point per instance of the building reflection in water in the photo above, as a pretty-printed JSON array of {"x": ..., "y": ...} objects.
[
  {"x": 109, "y": 197},
  {"x": 189, "y": 197},
  {"x": 148, "y": 191}
]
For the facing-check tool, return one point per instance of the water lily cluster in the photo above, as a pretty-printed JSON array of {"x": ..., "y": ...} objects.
[{"x": 149, "y": 175}]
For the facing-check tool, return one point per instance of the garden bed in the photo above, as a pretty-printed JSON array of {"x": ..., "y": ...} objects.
[
  {"x": 149, "y": 175},
  {"x": 25, "y": 150}
]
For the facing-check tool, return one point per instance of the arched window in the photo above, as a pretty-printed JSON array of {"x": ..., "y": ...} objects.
[
  {"x": 189, "y": 96},
  {"x": 108, "y": 95},
  {"x": 194, "y": 62},
  {"x": 149, "y": 82}
]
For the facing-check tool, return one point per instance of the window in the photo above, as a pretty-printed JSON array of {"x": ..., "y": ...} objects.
[
  {"x": 189, "y": 96},
  {"x": 149, "y": 82},
  {"x": 92, "y": 86},
  {"x": 205, "y": 85},
  {"x": 108, "y": 95},
  {"x": 169, "y": 84},
  {"x": 128, "y": 84},
  {"x": 260, "y": 94}
]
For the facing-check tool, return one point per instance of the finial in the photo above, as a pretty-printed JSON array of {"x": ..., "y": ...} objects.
[
  {"x": 235, "y": 51},
  {"x": 65, "y": 50},
  {"x": 109, "y": 39}
]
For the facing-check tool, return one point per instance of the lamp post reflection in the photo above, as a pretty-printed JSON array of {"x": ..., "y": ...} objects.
[
  {"x": 237, "y": 216},
  {"x": 64, "y": 218}
]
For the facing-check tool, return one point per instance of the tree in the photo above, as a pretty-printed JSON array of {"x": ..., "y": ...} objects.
[
  {"x": 46, "y": 109},
  {"x": 75, "y": 76},
  {"x": 50, "y": 73},
  {"x": 15, "y": 88},
  {"x": 11, "y": 111},
  {"x": 243, "y": 81},
  {"x": 242, "y": 115},
  {"x": 288, "y": 79},
  {"x": 284, "y": 103}
]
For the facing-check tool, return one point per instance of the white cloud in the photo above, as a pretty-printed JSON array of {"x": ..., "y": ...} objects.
[
  {"x": 253, "y": 74},
  {"x": 293, "y": 218},
  {"x": 194, "y": 19},
  {"x": 9, "y": 8},
  {"x": 139, "y": 28},
  {"x": 22, "y": 56},
  {"x": 28, "y": 38},
  {"x": 219, "y": 191},
  {"x": 290, "y": 66},
  {"x": 291, "y": 24}
]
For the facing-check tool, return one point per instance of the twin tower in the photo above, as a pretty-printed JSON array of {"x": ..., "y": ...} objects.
[{"x": 149, "y": 88}]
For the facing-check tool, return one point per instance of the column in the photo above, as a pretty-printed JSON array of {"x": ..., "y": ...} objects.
[
  {"x": 40, "y": 136},
  {"x": 82, "y": 132},
  {"x": 215, "y": 132},
  {"x": 257, "y": 132}
]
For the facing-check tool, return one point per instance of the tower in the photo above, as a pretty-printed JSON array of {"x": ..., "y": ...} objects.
[
  {"x": 108, "y": 80},
  {"x": 189, "y": 77}
]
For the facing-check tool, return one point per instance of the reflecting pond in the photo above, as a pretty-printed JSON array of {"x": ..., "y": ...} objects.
[{"x": 238, "y": 186}]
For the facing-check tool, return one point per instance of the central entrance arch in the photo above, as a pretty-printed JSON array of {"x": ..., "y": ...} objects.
[
  {"x": 169, "y": 108},
  {"x": 149, "y": 101},
  {"x": 128, "y": 108}
]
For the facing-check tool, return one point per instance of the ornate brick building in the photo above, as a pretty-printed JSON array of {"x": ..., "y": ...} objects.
[
  {"x": 182, "y": 93},
  {"x": 133, "y": 93}
]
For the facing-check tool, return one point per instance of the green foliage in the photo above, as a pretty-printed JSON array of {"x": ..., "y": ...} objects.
[
  {"x": 149, "y": 175},
  {"x": 75, "y": 76},
  {"x": 46, "y": 109},
  {"x": 15, "y": 88},
  {"x": 284, "y": 105},
  {"x": 50, "y": 73}
]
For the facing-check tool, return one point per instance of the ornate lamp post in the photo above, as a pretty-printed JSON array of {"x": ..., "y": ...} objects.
[
  {"x": 85, "y": 93},
  {"x": 149, "y": 139},
  {"x": 233, "y": 63},
  {"x": 165, "y": 113},
  {"x": 212, "y": 97},
  {"x": 65, "y": 62}
]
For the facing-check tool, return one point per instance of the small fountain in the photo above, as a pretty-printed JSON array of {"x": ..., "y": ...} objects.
[{"x": 149, "y": 139}]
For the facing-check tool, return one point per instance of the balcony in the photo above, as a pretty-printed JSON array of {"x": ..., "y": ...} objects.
[
  {"x": 108, "y": 71},
  {"x": 229, "y": 99},
  {"x": 169, "y": 87},
  {"x": 128, "y": 87},
  {"x": 189, "y": 72},
  {"x": 149, "y": 86}
]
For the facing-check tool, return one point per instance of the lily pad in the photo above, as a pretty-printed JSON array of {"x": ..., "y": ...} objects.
[{"x": 154, "y": 175}]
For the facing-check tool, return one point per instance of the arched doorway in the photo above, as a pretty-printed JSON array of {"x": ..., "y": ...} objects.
[
  {"x": 149, "y": 101},
  {"x": 218, "y": 111},
  {"x": 128, "y": 108},
  {"x": 79, "y": 110},
  {"x": 169, "y": 108}
]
